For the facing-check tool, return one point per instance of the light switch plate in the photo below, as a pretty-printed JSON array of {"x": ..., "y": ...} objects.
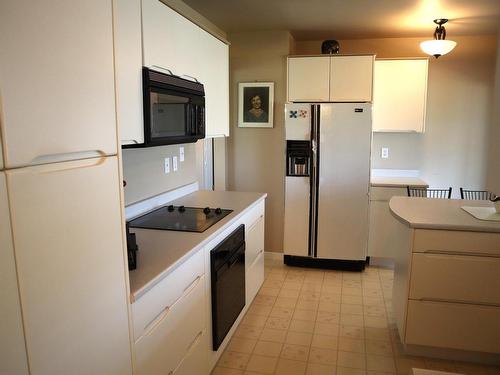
[
  {"x": 166, "y": 165},
  {"x": 384, "y": 154},
  {"x": 174, "y": 163},
  {"x": 181, "y": 153}
]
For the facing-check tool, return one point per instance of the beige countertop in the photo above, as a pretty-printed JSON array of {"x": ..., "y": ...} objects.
[
  {"x": 155, "y": 262},
  {"x": 383, "y": 181},
  {"x": 447, "y": 214}
]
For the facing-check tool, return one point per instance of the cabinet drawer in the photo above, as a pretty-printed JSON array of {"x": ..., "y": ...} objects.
[
  {"x": 386, "y": 193},
  {"x": 166, "y": 293},
  {"x": 172, "y": 333},
  {"x": 456, "y": 242},
  {"x": 254, "y": 214},
  {"x": 195, "y": 361},
  {"x": 455, "y": 278},
  {"x": 455, "y": 326},
  {"x": 254, "y": 278},
  {"x": 254, "y": 241}
]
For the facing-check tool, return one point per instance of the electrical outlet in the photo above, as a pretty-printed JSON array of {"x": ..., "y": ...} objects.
[
  {"x": 174, "y": 163},
  {"x": 166, "y": 165},
  {"x": 181, "y": 153},
  {"x": 384, "y": 153}
]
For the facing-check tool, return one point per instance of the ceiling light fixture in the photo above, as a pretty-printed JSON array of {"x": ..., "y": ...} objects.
[{"x": 438, "y": 46}]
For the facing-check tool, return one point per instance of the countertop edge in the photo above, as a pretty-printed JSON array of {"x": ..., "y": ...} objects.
[
  {"x": 153, "y": 282},
  {"x": 434, "y": 226}
]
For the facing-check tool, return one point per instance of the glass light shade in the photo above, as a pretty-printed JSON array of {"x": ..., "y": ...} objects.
[{"x": 437, "y": 47}]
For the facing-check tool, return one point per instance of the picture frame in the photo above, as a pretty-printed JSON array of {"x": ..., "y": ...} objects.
[{"x": 255, "y": 104}]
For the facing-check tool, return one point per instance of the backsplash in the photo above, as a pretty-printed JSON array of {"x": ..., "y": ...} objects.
[
  {"x": 404, "y": 151},
  {"x": 144, "y": 170}
]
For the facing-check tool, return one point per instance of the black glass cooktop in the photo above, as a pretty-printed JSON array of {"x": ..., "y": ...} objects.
[{"x": 180, "y": 218}]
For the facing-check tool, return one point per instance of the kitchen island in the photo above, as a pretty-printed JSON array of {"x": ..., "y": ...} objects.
[{"x": 446, "y": 294}]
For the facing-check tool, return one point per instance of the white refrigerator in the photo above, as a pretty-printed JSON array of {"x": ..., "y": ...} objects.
[{"x": 327, "y": 184}]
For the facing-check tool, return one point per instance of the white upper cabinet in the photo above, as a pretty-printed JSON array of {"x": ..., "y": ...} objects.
[
  {"x": 128, "y": 70},
  {"x": 308, "y": 79},
  {"x": 12, "y": 347},
  {"x": 400, "y": 95},
  {"x": 170, "y": 41},
  {"x": 173, "y": 43},
  {"x": 57, "y": 80},
  {"x": 70, "y": 257},
  {"x": 351, "y": 78},
  {"x": 214, "y": 74},
  {"x": 330, "y": 78}
]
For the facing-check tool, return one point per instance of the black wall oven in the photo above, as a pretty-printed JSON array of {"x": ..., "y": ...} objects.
[
  {"x": 227, "y": 266},
  {"x": 174, "y": 109}
]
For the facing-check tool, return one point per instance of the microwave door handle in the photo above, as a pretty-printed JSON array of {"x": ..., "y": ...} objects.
[{"x": 192, "y": 119}]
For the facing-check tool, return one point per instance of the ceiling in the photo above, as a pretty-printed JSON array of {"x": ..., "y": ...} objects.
[{"x": 352, "y": 19}]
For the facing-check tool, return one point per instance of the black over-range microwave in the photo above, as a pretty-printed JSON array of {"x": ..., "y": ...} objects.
[{"x": 174, "y": 109}]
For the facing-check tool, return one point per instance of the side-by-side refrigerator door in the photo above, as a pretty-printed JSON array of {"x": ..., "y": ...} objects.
[
  {"x": 297, "y": 185},
  {"x": 344, "y": 177}
]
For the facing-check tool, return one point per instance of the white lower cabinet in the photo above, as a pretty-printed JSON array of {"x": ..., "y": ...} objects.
[
  {"x": 67, "y": 231},
  {"x": 445, "y": 291},
  {"x": 173, "y": 334},
  {"x": 383, "y": 226},
  {"x": 453, "y": 325},
  {"x": 173, "y": 320}
]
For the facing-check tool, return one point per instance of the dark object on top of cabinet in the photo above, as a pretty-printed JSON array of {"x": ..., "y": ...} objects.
[{"x": 330, "y": 47}]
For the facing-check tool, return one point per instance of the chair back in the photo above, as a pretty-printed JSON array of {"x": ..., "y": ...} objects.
[
  {"x": 428, "y": 193},
  {"x": 476, "y": 194}
]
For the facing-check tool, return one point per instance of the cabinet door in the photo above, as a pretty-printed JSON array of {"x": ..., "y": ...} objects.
[
  {"x": 254, "y": 240},
  {"x": 57, "y": 79},
  {"x": 12, "y": 349},
  {"x": 308, "y": 79},
  {"x": 170, "y": 41},
  {"x": 67, "y": 233},
  {"x": 214, "y": 74},
  {"x": 128, "y": 70},
  {"x": 351, "y": 79},
  {"x": 400, "y": 94}
]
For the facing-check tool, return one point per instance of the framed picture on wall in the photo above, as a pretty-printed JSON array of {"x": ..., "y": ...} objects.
[{"x": 255, "y": 104}]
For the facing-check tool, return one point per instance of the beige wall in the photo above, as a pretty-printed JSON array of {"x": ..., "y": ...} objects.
[
  {"x": 453, "y": 150},
  {"x": 144, "y": 173},
  {"x": 493, "y": 178},
  {"x": 256, "y": 156}
]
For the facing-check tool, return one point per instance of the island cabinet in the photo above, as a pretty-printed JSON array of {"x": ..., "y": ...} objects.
[
  {"x": 446, "y": 287},
  {"x": 173, "y": 44},
  {"x": 400, "y": 95},
  {"x": 327, "y": 78}
]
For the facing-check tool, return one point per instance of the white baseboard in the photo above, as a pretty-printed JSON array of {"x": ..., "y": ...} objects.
[
  {"x": 382, "y": 262},
  {"x": 273, "y": 256}
]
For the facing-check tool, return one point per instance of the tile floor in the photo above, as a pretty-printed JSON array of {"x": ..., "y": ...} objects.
[{"x": 314, "y": 322}]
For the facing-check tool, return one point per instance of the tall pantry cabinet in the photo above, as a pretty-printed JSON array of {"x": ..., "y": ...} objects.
[{"x": 59, "y": 140}]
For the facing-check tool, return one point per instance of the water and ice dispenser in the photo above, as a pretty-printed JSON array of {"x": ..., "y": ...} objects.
[{"x": 298, "y": 158}]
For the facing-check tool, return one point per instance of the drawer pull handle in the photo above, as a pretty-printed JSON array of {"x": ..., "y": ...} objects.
[
  {"x": 463, "y": 253},
  {"x": 191, "y": 286},
  {"x": 188, "y": 351},
  {"x": 150, "y": 327}
]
